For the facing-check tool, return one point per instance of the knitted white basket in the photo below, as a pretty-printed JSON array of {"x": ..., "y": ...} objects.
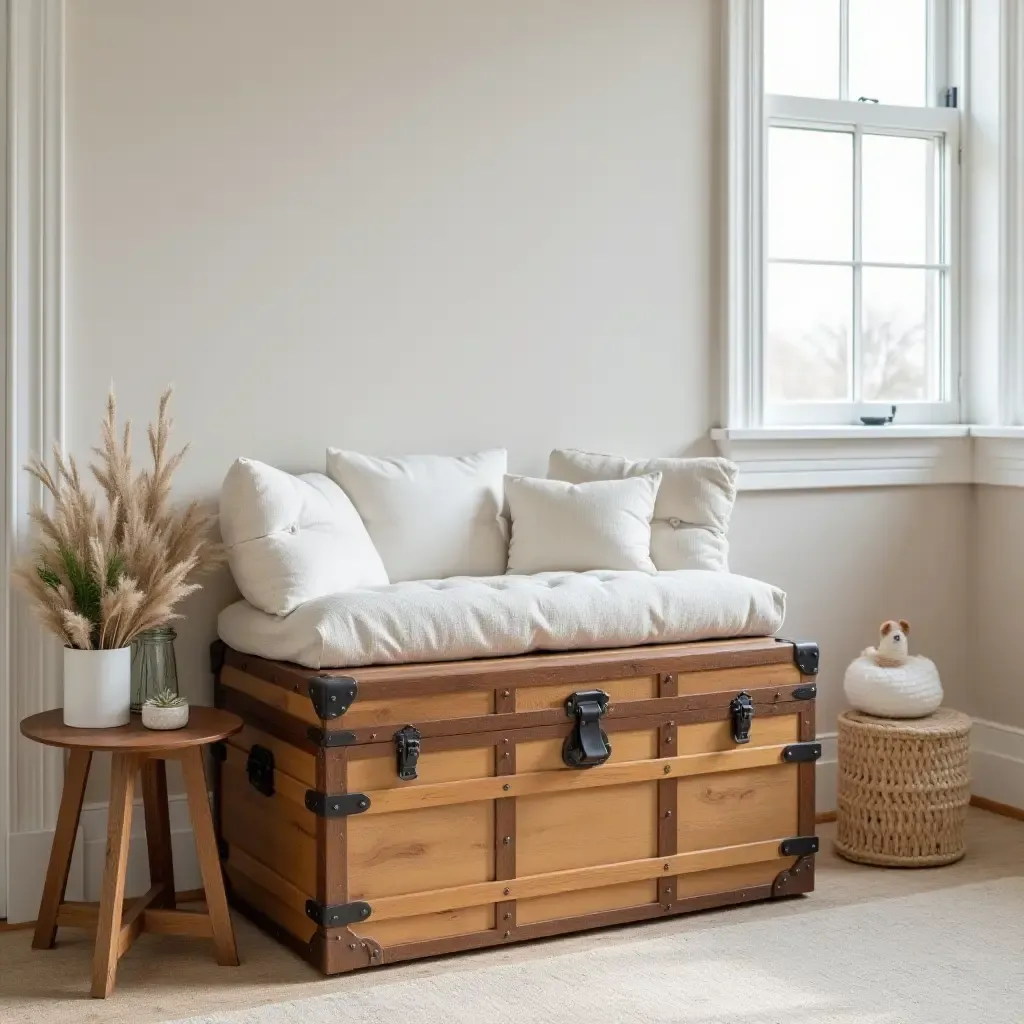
[{"x": 911, "y": 690}]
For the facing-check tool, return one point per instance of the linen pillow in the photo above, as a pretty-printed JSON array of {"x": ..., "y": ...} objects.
[
  {"x": 430, "y": 516},
  {"x": 691, "y": 516},
  {"x": 292, "y": 539},
  {"x": 575, "y": 527}
]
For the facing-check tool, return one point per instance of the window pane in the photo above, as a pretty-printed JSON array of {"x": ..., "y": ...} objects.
[
  {"x": 901, "y": 340},
  {"x": 801, "y": 47},
  {"x": 807, "y": 336},
  {"x": 900, "y": 194},
  {"x": 810, "y": 194},
  {"x": 888, "y": 47}
]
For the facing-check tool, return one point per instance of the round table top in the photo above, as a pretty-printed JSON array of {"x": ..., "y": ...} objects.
[{"x": 205, "y": 725}]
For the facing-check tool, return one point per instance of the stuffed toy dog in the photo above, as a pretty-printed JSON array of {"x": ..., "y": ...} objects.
[{"x": 893, "y": 647}]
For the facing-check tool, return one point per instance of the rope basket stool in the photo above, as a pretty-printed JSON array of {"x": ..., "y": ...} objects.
[{"x": 903, "y": 790}]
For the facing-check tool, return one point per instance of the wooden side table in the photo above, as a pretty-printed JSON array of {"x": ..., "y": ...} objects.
[{"x": 135, "y": 749}]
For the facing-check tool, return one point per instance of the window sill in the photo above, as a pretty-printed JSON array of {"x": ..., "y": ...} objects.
[{"x": 809, "y": 458}]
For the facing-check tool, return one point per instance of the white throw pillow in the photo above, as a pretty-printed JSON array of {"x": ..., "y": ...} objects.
[
  {"x": 430, "y": 516},
  {"x": 559, "y": 526},
  {"x": 292, "y": 539},
  {"x": 691, "y": 516}
]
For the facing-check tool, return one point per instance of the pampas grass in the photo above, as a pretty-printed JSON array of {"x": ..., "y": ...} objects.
[{"x": 99, "y": 577}]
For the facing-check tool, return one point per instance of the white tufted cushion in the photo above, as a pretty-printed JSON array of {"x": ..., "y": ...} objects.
[
  {"x": 429, "y": 515},
  {"x": 691, "y": 514},
  {"x": 479, "y": 617},
  {"x": 292, "y": 539}
]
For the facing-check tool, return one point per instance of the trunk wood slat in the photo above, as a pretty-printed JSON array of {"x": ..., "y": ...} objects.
[{"x": 495, "y": 838}]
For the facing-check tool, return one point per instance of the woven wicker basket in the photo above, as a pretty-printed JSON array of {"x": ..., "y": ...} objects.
[{"x": 903, "y": 790}]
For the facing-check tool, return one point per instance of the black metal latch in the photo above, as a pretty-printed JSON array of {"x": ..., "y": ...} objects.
[
  {"x": 588, "y": 744},
  {"x": 407, "y": 751},
  {"x": 741, "y": 707},
  {"x": 259, "y": 766}
]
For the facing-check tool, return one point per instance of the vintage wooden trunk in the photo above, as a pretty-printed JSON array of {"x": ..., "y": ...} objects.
[{"x": 383, "y": 814}]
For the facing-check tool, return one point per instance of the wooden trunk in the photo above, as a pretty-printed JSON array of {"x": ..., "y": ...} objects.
[{"x": 497, "y": 839}]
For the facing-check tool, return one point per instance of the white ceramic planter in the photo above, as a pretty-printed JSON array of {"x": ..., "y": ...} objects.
[
  {"x": 164, "y": 718},
  {"x": 97, "y": 688}
]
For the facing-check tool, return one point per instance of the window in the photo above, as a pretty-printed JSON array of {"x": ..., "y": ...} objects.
[{"x": 858, "y": 292}]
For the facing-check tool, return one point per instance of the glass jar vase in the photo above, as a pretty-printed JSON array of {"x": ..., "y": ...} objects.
[{"x": 153, "y": 665}]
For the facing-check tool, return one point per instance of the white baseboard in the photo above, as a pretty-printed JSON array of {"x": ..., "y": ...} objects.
[
  {"x": 997, "y": 762},
  {"x": 825, "y": 774},
  {"x": 30, "y": 851},
  {"x": 997, "y": 765}
]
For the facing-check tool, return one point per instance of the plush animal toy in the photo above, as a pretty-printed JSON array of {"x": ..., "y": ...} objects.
[
  {"x": 893, "y": 646},
  {"x": 890, "y": 682}
]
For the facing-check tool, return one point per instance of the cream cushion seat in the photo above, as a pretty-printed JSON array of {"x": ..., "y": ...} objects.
[{"x": 480, "y": 617}]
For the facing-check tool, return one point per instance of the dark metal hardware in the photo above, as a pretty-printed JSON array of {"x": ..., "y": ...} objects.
[
  {"x": 951, "y": 97},
  {"x": 332, "y": 695},
  {"x": 741, "y": 708},
  {"x": 259, "y": 766},
  {"x": 808, "y": 692},
  {"x": 805, "y": 656},
  {"x": 798, "y": 846},
  {"x": 866, "y": 99},
  {"x": 324, "y": 805},
  {"x": 337, "y": 915},
  {"x": 797, "y": 753},
  {"x": 587, "y": 745},
  {"x": 324, "y": 738},
  {"x": 407, "y": 751}
]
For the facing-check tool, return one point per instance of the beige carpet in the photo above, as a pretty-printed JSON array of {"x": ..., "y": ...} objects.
[
  {"x": 951, "y": 956},
  {"x": 871, "y": 946}
]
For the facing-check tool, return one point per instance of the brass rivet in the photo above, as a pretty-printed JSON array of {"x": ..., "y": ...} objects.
[
  {"x": 506, "y": 787},
  {"x": 507, "y": 754},
  {"x": 507, "y": 840},
  {"x": 352, "y": 946},
  {"x": 668, "y": 891},
  {"x": 507, "y": 891},
  {"x": 507, "y": 934},
  {"x": 504, "y": 693},
  {"x": 667, "y": 768},
  {"x": 668, "y": 814},
  {"x": 373, "y": 735},
  {"x": 664, "y": 867},
  {"x": 508, "y": 917}
]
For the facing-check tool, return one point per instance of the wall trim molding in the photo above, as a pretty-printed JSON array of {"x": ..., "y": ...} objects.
[
  {"x": 997, "y": 762},
  {"x": 809, "y": 458},
  {"x": 34, "y": 381},
  {"x": 30, "y": 851}
]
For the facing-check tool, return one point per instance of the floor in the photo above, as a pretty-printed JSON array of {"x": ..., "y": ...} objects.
[{"x": 164, "y": 978}]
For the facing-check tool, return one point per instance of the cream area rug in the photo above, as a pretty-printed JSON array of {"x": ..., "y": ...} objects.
[{"x": 955, "y": 955}]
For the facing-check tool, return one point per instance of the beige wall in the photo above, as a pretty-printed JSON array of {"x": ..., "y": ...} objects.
[{"x": 408, "y": 225}]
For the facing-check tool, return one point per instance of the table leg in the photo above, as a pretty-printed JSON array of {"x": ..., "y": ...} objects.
[
  {"x": 158, "y": 830},
  {"x": 119, "y": 825},
  {"x": 75, "y": 778},
  {"x": 209, "y": 860}
]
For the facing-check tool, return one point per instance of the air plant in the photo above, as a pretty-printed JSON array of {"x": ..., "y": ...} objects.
[
  {"x": 99, "y": 577},
  {"x": 166, "y": 699}
]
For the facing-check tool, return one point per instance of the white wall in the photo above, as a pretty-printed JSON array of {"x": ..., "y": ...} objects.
[{"x": 405, "y": 225}]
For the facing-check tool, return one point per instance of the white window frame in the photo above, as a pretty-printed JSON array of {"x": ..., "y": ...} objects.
[{"x": 749, "y": 114}]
